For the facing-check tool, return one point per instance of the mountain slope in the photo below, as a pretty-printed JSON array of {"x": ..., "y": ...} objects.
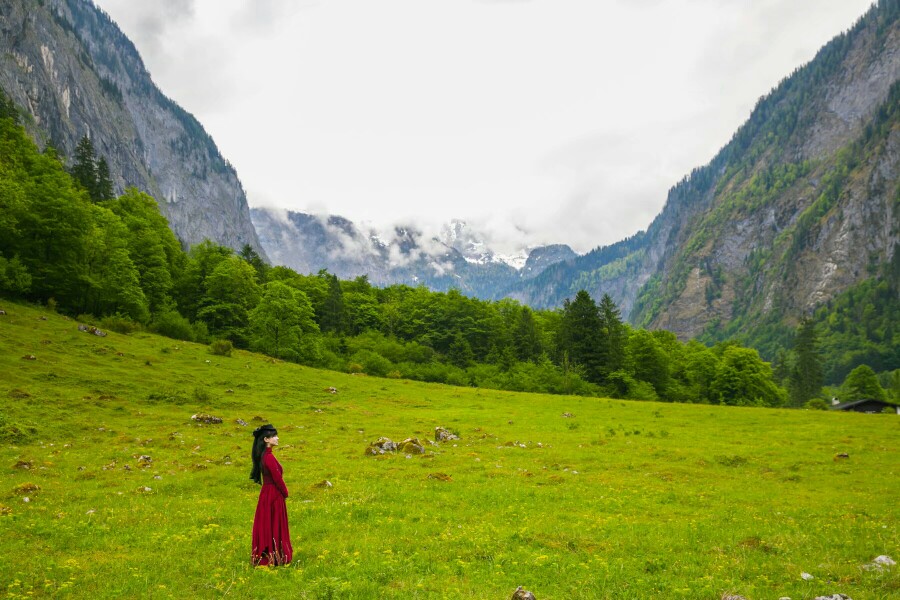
[
  {"x": 800, "y": 205},
  {"x": 77, "y": 74},
  {"x": 457, "y": 259}
]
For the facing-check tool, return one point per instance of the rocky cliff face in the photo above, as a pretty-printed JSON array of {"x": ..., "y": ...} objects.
[
  {"x": 801, "y": 204},
  {"x": 77, "y": 74},
  {"x": 456, "y": 258}
]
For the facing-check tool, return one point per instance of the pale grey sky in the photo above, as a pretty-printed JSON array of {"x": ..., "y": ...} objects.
[{"x": 539, "y": 121}]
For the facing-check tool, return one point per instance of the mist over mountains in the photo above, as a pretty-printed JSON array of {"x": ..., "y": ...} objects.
[{"x": 455, "y": 256}]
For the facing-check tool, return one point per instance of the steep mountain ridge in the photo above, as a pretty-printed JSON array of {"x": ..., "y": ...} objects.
[
  {"x": 456, "y": 258},
  {"x": 77, "y": 74},
  {"x": 799, "y": 205}
]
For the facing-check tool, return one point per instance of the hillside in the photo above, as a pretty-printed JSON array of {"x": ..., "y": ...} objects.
[
  {"x": 618, "y": 500},
  {"x": 800, "y": 206},
  {"x": 75, "y": 74}
]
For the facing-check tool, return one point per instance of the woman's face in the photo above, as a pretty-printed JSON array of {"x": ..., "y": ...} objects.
[{"x": 271, "y": 441}]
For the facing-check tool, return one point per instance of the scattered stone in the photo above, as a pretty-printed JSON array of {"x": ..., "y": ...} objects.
[
  {"x": 841, "y": 455},
  {"x": 880, "y": 563},
  {"x": 318, "y": 411},
  {"x": 568, "y": 415},
  {"x": 144, "y": 460},
  {"x": 440, "y": 476},
  {"x": 25, "y": 465},
  {"x": 92, "y": 330},
  {"x": 727, "y": 596},
  {"x": 331, "y": 390},
  {"x": 26, "y": 499},
  {"x": 91, "y": 511},
  {"x": 2, "y": 312},
  {"x": 120, "y": 354},
  {"x": 380, "y": 446},
  {"x": 806, "y": 577},
  {"x": 206, "y": 418},
  {"x": 411, "y": 446},
  {"x": 82, "y": 468},
  {"x": 324, "y": 485},
  {"x": 144, "y": 489},
  {"x": 26, "y": 488},
  {"x": 229, "y": 391},
  {"x": 522, "y": 594},
  {"x": 833, "y": 597},
  {"x": 241, "y": 422},
  {"x": 29, "y": 357},
  {"x": 442, "y": 434},
  {"x": 126, "y": 468},
  {"x": 42, "y": 318},
  {"x": 111, "y": 465}
]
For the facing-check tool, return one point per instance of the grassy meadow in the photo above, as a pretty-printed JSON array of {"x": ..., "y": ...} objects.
[{"x": 620, "y": 500}]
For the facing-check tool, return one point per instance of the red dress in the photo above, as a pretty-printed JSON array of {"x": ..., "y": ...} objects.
[{"x": 271, "y": 539}]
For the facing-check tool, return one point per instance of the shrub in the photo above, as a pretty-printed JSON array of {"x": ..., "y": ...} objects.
[
  {"x": 395, "y": 374},
  {"x": 120, "y": 324},
  {"x": 221, "y": 348},
  {"x": 816, "y": 404},
  {"x": 354, "y": 368},
  {"x": 171, "y": 324}
]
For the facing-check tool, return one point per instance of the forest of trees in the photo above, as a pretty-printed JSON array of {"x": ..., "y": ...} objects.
[{"x": 66, "y": 242}]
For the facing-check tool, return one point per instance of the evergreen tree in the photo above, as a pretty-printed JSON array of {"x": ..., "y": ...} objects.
[
  {"x": 460, "y": 352},
  {"x": 807, "y": 375},
  {"x": 612, "y": 337},
  {"x": 104, "y": 186},
  {"x": 334, "y": 316},
  {"x": 253, "y": 258},
  {"x": 526, "y": 338},
  {"x": 579, "y": 335},
  {"x": 84, "y": 170}
]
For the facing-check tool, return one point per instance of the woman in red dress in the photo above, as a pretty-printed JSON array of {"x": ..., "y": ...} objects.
[{"x": 271, "y": 539}]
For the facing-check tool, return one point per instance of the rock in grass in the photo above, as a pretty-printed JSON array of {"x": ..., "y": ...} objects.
[
  {"x": 441, "y": 434},
  {"x": 324, "y": 485},
  {"x": 92, "y": 330},
  {"x": 806, "y": 577},
  {"x": 2, "y": 312},
  {"x": 522, "y": 594},
  {"x": 380, "y": 446},
  {"x": 727, "y": 596},
  {"x": 206, "y": 418},
  {"x": 833, "y": 597},
  {"x": 411, "y": 446},
  {"x": 29, "y": 357},
  {"x": 880, "y": 563}
]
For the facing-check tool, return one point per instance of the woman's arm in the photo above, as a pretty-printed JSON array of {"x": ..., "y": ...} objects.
[{"x": 275, "y": 471}]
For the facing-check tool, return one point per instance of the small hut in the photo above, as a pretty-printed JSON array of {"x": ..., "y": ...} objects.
[{"x": 867, "y": 406}]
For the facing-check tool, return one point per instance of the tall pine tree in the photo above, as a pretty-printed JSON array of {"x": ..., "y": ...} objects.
[{"x": 807, "y": 375}]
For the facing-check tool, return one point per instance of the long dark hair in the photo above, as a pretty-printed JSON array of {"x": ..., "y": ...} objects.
[{"x": 259, "y": 447}]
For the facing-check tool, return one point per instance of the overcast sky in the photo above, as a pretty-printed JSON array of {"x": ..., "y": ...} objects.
[{"x": 539, "y": 121}]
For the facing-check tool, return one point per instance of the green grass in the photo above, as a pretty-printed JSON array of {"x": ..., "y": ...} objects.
[{"x": 622, "y": 500}]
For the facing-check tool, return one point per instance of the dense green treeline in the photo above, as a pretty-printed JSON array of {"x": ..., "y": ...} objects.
[{"x": 116, "y": 261}]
